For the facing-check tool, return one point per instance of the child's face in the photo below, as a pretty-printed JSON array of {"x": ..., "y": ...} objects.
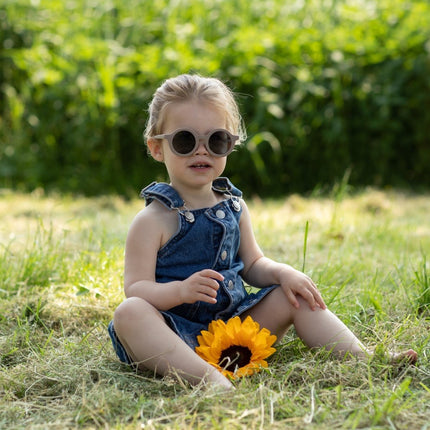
[{"x": 200, "y": 168}]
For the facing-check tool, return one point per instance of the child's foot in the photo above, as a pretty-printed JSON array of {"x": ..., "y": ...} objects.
[
  {"x": 217, "y": 379},
  {"x": 405, "y": 357}
]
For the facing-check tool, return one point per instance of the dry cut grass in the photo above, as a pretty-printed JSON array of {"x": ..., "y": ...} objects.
[{"x": 60, "y": 280}]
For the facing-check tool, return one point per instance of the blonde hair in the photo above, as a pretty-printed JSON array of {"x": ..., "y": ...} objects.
[{"x": 194, "y": 87}]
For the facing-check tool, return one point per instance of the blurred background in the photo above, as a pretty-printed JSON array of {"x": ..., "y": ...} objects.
[{"x": 330, "y": 90}]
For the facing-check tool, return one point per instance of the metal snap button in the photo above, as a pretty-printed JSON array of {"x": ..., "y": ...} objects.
[
  {"x": 236, "y": 205},
  {"x": 230, "y": 284},
  {"x": 220, "y": 214},
  {"x": 223, "y": 255},
  {"x": 189, "y": 216}
]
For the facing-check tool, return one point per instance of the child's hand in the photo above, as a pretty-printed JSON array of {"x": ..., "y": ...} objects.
[
  {"x": 201, "y": 286},
  {"x": 297, "y": 283}
]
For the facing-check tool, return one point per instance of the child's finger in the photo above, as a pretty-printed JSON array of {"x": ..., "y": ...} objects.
[
  {"x": 292, "y": 298},
  {"x": 209, "y": 273},
  {"x": 321, "y": 302},
  {"x": 310, "y": 298},
  {"x": 318, "y": 298}
]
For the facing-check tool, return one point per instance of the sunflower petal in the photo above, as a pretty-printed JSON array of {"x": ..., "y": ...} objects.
[{"x": 206, "y": 337}]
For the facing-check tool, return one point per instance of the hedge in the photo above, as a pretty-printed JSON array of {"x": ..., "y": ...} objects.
[{"x": 325, "y": 88}]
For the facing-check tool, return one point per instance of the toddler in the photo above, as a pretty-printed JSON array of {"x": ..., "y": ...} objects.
[{"x": 190, "y": 250}]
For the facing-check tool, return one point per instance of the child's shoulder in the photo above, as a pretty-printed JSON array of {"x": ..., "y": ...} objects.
[
  {"x": 155, "y": 212},
  {"x": 154, "y": 221}
]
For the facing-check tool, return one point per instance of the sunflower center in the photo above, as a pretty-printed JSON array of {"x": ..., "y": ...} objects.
[{"x": 235, "y": 357}]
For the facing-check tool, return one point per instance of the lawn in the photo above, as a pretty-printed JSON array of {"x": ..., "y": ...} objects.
[{"x": 60, "y": 280}]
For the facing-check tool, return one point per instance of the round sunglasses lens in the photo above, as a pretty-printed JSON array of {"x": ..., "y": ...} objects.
[
  {"x": 220, "y": 143},
  {"x": 183, "y": 142}
]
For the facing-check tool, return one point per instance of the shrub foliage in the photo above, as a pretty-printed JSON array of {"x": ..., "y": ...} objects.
[{"x": 324, "y": 87}]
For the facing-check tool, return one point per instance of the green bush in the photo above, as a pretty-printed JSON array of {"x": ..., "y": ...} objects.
[{"x": 324, "y": 87}]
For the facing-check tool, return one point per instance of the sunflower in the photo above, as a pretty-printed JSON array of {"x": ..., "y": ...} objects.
[{"x": 236, "y": 348}]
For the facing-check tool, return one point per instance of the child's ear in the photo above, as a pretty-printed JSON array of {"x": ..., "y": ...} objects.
[{"x": 155, "y": 148}]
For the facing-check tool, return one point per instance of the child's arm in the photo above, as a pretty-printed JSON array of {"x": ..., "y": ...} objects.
[
  {"x": 149, "y": 230},
  {"x": 261, "y": 271}
]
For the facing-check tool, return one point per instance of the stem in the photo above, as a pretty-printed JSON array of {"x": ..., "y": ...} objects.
[{"x": 305, "y": 244}]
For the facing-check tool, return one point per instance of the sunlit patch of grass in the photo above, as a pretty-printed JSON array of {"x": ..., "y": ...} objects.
[
  {"x": 61, "y": 263},
  {"x": 422, "y": 279}
]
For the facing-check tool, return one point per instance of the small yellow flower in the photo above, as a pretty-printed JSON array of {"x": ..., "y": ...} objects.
[{"x": 236, "y": 348}]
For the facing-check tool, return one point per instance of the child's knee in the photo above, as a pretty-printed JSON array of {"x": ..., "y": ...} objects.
[
  {"x": 304, "y": 306},
  {"x": 130, "y": 310}
]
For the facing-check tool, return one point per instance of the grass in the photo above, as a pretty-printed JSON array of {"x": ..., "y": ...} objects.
[{"x": 60, "y": 280}]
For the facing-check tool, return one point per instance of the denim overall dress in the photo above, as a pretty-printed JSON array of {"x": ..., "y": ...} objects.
[{"x": 206, "y": 239}]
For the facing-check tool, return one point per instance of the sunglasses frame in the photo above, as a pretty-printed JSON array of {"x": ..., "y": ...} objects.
[{"x": 197, "y": 138}]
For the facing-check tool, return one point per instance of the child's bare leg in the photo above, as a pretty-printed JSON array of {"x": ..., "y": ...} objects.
[
  {"x": 153, "y": 345},
  {"x": 318, "y": 328}
]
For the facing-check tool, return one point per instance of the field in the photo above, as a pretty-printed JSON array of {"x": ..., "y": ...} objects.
[{"x": 60, "y": 280}]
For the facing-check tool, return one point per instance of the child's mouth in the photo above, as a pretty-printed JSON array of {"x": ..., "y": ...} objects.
[{"x": 200, "y": 166}]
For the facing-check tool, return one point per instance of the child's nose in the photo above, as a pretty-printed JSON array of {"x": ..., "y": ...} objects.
[{"x": 201, "y": 147}]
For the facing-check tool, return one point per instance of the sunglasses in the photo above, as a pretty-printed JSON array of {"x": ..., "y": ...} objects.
[{"x": 184, "y": 142}]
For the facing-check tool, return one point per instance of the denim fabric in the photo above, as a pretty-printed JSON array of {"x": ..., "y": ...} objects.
[
  {"x": 117, "y": 345},
  {"x": 210, "y": 241}
]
